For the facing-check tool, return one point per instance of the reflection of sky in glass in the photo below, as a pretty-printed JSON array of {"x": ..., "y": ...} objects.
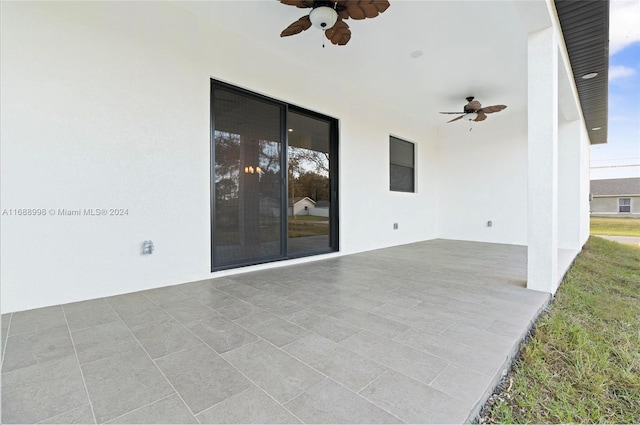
[
  {"x": 226, "y": 169},
  {"x": 308, "y": 166},
  {"x": 269, "y": 156},
  {"x": 308, "y": 161}
]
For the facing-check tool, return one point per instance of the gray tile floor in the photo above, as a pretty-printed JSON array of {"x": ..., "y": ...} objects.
[{"x": 412, "y": 334}]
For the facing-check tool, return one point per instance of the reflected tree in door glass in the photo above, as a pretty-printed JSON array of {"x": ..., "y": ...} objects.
[{"x": 308, "y": 203}]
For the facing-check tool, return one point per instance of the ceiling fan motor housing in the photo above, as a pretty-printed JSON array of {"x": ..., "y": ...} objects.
[{"x": 323, "y": 17}]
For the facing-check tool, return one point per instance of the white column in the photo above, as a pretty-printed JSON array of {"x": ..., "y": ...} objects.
[
  {"x": 570, "y": 185},
  {"x": 585, "y": 189},
  {"x": 542, "y": 268}
]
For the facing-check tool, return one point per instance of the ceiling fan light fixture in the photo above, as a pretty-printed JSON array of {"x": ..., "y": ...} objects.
[
  {"x": 323, "y": 17},
  {"x": 473, "y": 111}
]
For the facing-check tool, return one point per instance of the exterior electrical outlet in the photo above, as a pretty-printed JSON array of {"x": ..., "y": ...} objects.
[
  {"x": 395, "y": 226},
  {"x": 147, "y": 247}
]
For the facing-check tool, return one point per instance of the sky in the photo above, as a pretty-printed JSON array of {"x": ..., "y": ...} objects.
[{"x": 620, "y": 156}]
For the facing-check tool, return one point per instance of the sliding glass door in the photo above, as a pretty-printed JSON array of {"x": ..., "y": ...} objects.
[{"x": 274, "y": 180}]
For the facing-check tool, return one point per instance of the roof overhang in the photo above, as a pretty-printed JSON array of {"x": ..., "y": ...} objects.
[{"x": 585, "y": 27}]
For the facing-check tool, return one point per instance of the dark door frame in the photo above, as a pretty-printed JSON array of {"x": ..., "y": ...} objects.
[{"x": 333, "y": 176}]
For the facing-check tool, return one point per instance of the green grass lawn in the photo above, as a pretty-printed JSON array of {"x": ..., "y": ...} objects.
[
  {"x": 582, "y": 365},
  {"x": 308, "y": 218},
  {"x": 307, "y": 225},
  {"x": 301, "y": 228},
  {"x": 615, "y": 226}
]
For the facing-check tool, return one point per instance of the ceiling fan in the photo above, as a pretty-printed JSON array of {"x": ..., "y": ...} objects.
[
  {"x": 473, "y": 111},
  {"x": 329, "y": 16}
]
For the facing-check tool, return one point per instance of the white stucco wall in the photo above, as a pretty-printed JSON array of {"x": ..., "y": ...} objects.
[
  {"x": 106, "y": 105},
  {"x": 571, "y": 196},
  {"x": 474, "y": 165},
  {"x": 573, "y": 160},
  {"x": 585, "y": 189}
]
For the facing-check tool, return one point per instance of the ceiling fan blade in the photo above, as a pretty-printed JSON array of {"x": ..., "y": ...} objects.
[
  {"x": 472, "y": 106},
  {"x": 297, "y": 27},
  {"x": 452, "y": 112},
  {"x": 298, "y": 3},
  {"x": 456, "y": 119},
  {"x": 339, "y": 34},
  {"x": 481, "y": 116},
  {"x": 361, "y": 9},
  {"x": 492, "y": 109}
]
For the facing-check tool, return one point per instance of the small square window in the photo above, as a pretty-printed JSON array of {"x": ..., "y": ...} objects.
[
  {"x": 402, "y": 165},
  {"x": 624, "y": 205}
]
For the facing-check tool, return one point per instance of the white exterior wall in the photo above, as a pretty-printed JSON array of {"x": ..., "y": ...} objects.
[
  {"x": 106, "y": 105},
  {"x": 585, "y": 189},
  {"x": 474, "y": 165},
  {"x": 542, "y": 222},
  {"x": 569, "y": 227},
  {"x": 573, "y": 162}
]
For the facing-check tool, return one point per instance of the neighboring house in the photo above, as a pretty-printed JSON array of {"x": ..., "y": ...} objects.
[
  {"x": 616, "y": 197},
  {"x": 301, "y": 206},
  {"x": 321, "y": 209},
  {"x": 140, "y": 108}
]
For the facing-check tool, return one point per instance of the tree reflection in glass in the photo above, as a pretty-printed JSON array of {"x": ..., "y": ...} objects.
[{"x": 308, "y": 203}]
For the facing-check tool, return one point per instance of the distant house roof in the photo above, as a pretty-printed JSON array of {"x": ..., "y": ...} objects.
[
  {"x": 296, "y": 200},
  {"x": 616, "y": 187}
]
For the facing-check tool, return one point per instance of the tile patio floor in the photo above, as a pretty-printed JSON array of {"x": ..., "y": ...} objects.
[{"x": 417, "y": 334}]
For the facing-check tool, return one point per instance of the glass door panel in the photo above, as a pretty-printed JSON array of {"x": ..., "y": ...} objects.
[
  {"x": 247, "y": 200},
  {"x": 308, "y": 185}
]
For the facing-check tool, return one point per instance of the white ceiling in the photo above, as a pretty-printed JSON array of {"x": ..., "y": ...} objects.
[{"x": 471, "y": 48}]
